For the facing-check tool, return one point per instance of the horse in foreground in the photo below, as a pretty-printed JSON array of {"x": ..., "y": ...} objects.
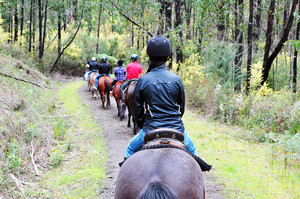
[
  {"x": 104, "y": 89},
  {"x": 117, "y": 95},
  {"x": 129, "y": 102},
  {"x": 160, "y": 173},
  {"x": 91, "y": 82}
]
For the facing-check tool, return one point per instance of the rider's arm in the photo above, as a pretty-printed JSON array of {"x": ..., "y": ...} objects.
[
  {"x": 139, "y": 105},
  {"x": 181, "y": 100}
]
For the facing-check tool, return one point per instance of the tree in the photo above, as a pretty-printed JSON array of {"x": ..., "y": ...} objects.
[
  {"x": 177, "y": 26},
  {"x": 268, "y": 60},
  {"x": 249, "y": 42},
  {"x": 294, "y": 77}
]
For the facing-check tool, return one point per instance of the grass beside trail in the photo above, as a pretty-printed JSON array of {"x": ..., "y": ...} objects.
[
  {"x": 82, "y": 167},
  {"x": 247, "y": 170}
]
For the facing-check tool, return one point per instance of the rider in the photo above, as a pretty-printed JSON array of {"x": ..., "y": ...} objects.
[
  {"x": 120, "y": 74},
  {"x": 134, "y": 72},
  {"x": 93, "y": 66},
  {"x": 103, "y": 70},
  {"x": 161, "y": 93}
]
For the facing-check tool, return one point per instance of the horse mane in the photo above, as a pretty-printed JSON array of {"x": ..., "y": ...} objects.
[{"x": 157, "y": 190}]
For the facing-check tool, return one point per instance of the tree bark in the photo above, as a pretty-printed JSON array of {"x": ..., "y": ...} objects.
[
  {"x": 45, "y": 29},
  {"x": 75, "y": 3},
  {"x": 177, "y": 25},
  {"x": 30, "y": 25},
  {"x": 294, "y": 79},
  {"x": 168, "y": 15},
  {"x": 239, "y": 42},
  {"x": 257, "y": 23},
  {"x": 40, "y": 29},
  {"x": 98, "y": 29},
  {"x": 59, "y": 33},
  {"x": 268, "y": 60},
  {"x": 16, "y": 23},
  {"x": 10, "y": 25},
  {"x": 249, "y": 41},
  {"x": 188, "y": 15},
  {"x": 221, "y": 20},
  {"x": 64, "y": 16},
  {"x": 22, "y": 18}
]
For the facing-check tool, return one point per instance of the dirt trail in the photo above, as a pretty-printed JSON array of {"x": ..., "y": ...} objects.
[{"x": 118, "y": 135}]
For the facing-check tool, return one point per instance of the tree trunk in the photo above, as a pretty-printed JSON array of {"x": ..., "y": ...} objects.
[
  {"x": 22, "y": 18},
  {"x": 268, "y": 60},
  {"x": 64, "y": 16},
  {"x": 75, "y": 3},
  {"x": 59, "y": 33},
  {"x": 257, "y": 24},
  {"x": 294, "y": 81},
  {"x": 34, "y": 25},
  {"x": 221, "y": 21},
  {"x": 239, "y": 42},
  {"x": 98, "y": 29},
  {"x": 40, "y": 29},
  {"x": 16, "y": 23},
  {"x": 168, "y": 15},
  {"x": 161, "y": 20},
  {"x": 132, "y": 30},
  {"x": 177, "y": 25},
  {"x": 10, "y": 25},
  {"x": 249, "y": 41},
  {"x": 188, "y": 15},
  {"x": 30, "y": 25},
  {"x": 45, "y": 29}
]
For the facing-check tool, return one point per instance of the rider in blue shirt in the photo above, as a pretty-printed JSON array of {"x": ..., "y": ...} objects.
[{"x": 120, "y": 74}]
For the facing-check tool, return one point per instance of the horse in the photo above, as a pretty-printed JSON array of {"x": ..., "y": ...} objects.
[
  {"x": 117, "y": 95},
  {"x": 129, "y": 102},
  {"x": 104, "y": 89},
  {"x": 160, "y": 173},
  {"x": 85, "y": 76},
  {"x": 91, "y": 82}
]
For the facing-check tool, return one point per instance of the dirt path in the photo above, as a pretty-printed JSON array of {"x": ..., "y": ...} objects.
[{"x": 118, "y": 136}]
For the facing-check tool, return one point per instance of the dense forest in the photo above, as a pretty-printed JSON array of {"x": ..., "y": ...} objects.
[{"x": 238, "y": 60}]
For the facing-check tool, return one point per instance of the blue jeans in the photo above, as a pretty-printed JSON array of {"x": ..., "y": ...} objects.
[
  {"x": 97, "y": 78},
  {"x": 88, "y": 77},
  {"x": 137, "y": 143}
]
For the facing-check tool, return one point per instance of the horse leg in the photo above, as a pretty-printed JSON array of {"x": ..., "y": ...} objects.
[
  {"x": 122, "y": 113},
  {"x": 129, "y": 115}
]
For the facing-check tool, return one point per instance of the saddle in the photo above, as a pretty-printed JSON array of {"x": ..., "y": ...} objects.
[{"x": 164, "y": 136}]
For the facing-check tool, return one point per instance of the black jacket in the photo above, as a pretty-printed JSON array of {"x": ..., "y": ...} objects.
[
  {"x": 93, "y": 65},
  {"x": 104, "y": 68},
  {"x": 163, "y": 94}
]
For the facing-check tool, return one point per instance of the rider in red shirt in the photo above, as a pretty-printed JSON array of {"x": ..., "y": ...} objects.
[{"x": 134, "y": 72}]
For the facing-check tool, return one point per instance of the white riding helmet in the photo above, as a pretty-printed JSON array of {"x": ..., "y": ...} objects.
[{"x": 94, "y": 59}]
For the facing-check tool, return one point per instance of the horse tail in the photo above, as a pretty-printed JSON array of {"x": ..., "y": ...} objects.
[
  {"x": 107, "y": 90},
  {"x": 157, "y": 190}
]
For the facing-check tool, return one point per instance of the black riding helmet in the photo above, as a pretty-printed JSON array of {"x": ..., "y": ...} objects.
[
  {"x": 158, "y": 47},
  {"x": 120, "y": 62},
  {"x": 104, "y": 59}
]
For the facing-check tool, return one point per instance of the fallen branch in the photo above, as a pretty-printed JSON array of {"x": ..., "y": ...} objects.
[
  {"x": 32, "y": 160},
  {"x": 18, "y": 183},
  {"x": 149, "y": 33},
  {"x": 23, "y": 80}
]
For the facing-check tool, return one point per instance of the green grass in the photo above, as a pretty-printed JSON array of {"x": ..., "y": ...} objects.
[
  {"x": 81, "y": 173},
  {"x": 247, "y": 170}
]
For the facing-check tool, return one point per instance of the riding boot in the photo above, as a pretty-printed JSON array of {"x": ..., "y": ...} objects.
[{"x": 121, "y": 163}]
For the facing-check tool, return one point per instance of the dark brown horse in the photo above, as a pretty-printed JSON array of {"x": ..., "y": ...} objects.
[
  {"x": 117, "y": 95},
  {"x": 129, "y": 101},
  {"x": 162, "y": 173},
  {"x": 104, "y": 90},
  {"x": 91, "y": 83}
]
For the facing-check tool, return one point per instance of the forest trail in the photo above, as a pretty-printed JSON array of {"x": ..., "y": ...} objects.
[{"x": 117, "y": 136}]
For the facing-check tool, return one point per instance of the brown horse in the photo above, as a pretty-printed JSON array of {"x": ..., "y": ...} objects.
[
  {"x": 160, "y": 173},
  {"x": 117, "y": 95},
  {"x": 129, "y": 101},
  {"x": 91, "y": 83},
  {"x": 104, "y": 90}
]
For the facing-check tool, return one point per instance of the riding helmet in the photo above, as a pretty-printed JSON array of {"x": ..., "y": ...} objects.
[
  {"x": 104, "y": 59},
  {"x": 158, "y": 46},
  {"x": 93, "y": 58},
  {"x": 134, "y": 57},
  {"x": 120, "y": 62}
]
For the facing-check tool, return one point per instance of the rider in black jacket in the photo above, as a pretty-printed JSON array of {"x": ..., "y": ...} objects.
[
  {"x": 103, "y": 70},
  {"x": 162, "y": 94}
]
